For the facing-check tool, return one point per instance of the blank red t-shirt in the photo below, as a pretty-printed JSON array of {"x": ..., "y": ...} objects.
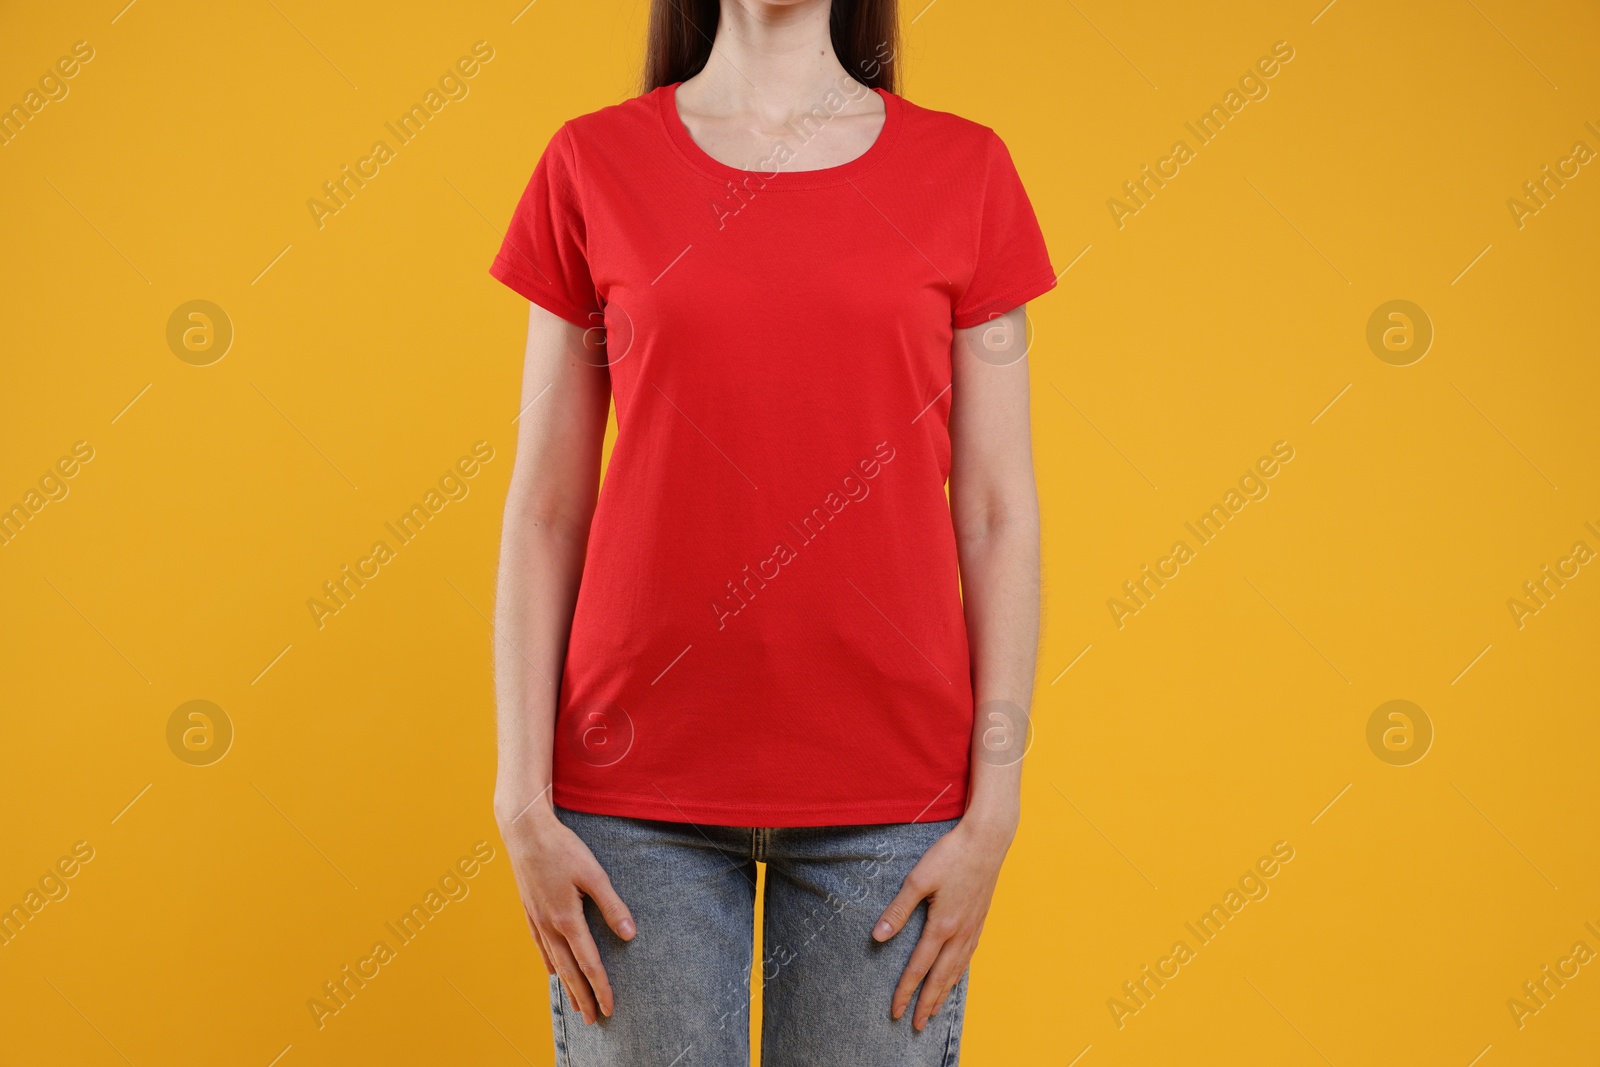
[{"x": 769, "y": 628}]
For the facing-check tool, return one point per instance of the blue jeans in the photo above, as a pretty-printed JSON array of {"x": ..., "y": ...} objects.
[{"x": 682, "y": 985}]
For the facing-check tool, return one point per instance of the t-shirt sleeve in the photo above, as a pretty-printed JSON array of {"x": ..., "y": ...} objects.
[
  {"x": 1013, "y": 265},
  {"x": 544, "y": 255}
]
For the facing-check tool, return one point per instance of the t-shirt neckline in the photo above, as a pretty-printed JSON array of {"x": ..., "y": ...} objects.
[{"x": 701, "y": 160}]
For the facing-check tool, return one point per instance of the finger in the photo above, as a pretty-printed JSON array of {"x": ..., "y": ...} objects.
[
  {"x": 934, "y": 935},
  {"x": 571, "y": 975},
  {"x": 901, "y": 908},
  {"x": 563, "y": 975},
  {"x": 580, "y": 942},
  {"x": 544, "y": 953},
  {"x": 616, "y": 914},
  {"x": 942, "y": 978}
]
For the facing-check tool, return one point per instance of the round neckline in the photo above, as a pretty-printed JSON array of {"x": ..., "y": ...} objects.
[{"x": 703, "y": 161}]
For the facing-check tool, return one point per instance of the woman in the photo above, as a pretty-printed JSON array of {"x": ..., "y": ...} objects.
[{"x": 766, "y": 639}]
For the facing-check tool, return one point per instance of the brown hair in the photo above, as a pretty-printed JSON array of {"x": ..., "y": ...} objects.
[{"x": 866, "y": 38}]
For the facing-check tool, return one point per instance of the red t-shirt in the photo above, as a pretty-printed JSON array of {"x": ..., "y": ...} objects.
[{"x": 769, "y": 628}]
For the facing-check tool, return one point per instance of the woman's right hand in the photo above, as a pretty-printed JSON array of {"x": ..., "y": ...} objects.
[{"x": 555, "y": 870}]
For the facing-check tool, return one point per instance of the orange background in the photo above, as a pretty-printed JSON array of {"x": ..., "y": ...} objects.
[{"x": 1230, "y": 713}]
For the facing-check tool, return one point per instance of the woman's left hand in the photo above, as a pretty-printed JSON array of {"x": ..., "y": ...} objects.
[{"x": 957, "y": 877}]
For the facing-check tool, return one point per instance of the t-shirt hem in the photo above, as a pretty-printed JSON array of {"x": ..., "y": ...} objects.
[
  {"x": 1011, "y": 298},
  {"x": 507, "y": 272},
  {"x": 643, "y": 806}
]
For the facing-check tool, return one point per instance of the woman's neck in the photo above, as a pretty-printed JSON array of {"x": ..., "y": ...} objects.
[{"x": 766, "y": 58}]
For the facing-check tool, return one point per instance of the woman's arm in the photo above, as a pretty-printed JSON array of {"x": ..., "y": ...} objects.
[
  {"x": 561, "y": 429},
  {"x": 995, "y": 509}
]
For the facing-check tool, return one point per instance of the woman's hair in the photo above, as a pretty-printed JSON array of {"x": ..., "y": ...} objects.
[{"x": 866, "y": 38}]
